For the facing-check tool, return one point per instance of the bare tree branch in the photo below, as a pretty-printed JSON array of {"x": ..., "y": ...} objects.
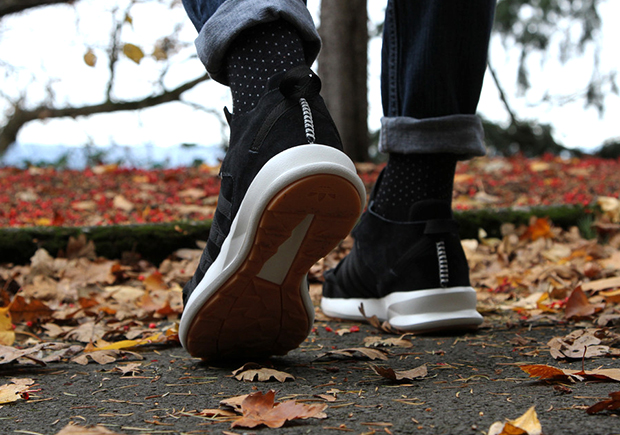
[
  {"x": 20, "y": 117},
  {"x": 12, "y": 6}
]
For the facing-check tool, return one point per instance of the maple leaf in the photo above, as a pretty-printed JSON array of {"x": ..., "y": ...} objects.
[
  {"x": 352, "y": 351},
  {"x": 12, "y": 391},
  {"x": 545, "y": 372},
  {"x": 606, "y": 405},
  {"x": 527, "y": 424},
  {"x": 261, "y": 409},
  {"x": 401, "y": 375},
  {"x": 255, "y": 372}
]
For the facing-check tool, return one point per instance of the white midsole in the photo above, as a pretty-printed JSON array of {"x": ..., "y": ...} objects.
[
  {"x": 279, "y": 172},
  {"x": 413, "y": 310}
]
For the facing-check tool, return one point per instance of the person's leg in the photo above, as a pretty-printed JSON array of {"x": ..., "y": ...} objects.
[
  {"x": 407, "y": 265},
  {"x": 288, "y": 193}
]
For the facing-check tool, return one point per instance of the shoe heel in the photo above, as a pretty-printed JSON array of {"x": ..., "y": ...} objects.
[{"x": 434, "y": 309}]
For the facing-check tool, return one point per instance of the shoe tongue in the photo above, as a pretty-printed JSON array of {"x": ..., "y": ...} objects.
[{"x": 430, "y": 209}]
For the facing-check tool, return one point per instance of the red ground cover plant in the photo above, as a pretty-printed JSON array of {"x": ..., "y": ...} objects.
[{"x": 110, "y": 194}]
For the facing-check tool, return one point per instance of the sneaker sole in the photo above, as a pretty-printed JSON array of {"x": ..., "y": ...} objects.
[
  {"x": 258, "y": 305},
  {"x": 415, "y": 311}
]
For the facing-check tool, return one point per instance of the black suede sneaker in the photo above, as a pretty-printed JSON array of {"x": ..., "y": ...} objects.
[
  {"x": 288, "y": 195},
  {"x": 413, "y": 274}
]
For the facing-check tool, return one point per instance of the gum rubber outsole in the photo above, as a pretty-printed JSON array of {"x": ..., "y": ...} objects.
[{"x": 249, "y": 316}]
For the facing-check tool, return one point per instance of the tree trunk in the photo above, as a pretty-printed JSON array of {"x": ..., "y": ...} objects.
[{"x": 343, "y": 65}]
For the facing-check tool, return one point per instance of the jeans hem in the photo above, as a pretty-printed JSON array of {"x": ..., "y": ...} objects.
[
  {"x": 234, "y": 16},
  {"x": 455, "y": 134}
]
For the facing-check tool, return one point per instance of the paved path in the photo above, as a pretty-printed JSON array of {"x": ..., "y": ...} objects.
[{"x": 473, "y": 380}]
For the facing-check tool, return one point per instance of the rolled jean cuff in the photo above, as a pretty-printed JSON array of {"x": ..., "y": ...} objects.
[
  {"x": 455, "y": 134},
  {"x": 234, "y": 16}
]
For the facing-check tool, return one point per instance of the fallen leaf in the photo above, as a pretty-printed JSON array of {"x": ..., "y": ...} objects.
[
  {"x": 7, "y": 335},
  {"x": 260, "y": 409},
  {"x": 606, "y": 405},
  {"x": 545, "y": 372},
  {"x": 250, "y": 372},
  {"x": 11, "y": 392},
  {"x": 401, "y": 375},
  {"x": 34, "y": 310},
  {"x": 387, "y": 342},
  {"x": 351, "y": 352},
  {"x": 125, "y": 344},
  {"x": 538, "y": 228},
  {"x": 578, "y": 305},
  {"x": 9, "y": 354},
  {"x": 132, "y": 368},
  {"x": 103, "y": 356},
  {"x": 577, "y": 344},
  {"x": 74, "y": 429},
  {"x": 527, "y": 424}
]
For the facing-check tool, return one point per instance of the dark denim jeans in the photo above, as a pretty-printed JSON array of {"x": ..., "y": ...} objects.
[{"x": 433, "y": 62}]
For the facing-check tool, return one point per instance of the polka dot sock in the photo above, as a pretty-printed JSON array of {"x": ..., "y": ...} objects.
[
  {"x": 256, "y": 55},
  {"x": 409, "y": 178}
]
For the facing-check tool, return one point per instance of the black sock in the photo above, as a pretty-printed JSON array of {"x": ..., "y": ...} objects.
[
  {"x": 256, "y": 55},
  {"x": 409, "y": 178}
]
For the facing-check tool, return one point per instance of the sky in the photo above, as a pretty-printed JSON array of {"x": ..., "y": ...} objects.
[{"x": 45, "y": 50}]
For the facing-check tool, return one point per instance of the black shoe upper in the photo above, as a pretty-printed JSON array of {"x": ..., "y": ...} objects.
[
  {"x": 290, "y": 113},
  {"x": 388, "y": 256}
]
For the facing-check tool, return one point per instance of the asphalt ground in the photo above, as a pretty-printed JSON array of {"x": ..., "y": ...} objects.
[{"x": 473, "y": 380}]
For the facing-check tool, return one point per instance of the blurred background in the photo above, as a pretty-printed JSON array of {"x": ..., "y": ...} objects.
[{"x": 85, "y": 82}]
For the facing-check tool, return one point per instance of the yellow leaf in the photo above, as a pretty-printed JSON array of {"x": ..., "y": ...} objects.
[
  {"x": 7, "y": 336},
  {"x": 128, "y": 19},
  {"x": 12, "y": 392},
  {"x": 527, "y": 424},
  {"x": 90, "y": 58},
  {"x": 133, "y": 52},
  {"x": 124, "y": 344}
]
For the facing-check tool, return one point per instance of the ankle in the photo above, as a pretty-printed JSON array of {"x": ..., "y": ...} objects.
[
  {"x": 410, "y": 178},
  {"x": 257, "y": 54}
]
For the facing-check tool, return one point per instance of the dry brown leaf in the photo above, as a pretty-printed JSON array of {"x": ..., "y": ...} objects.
[
  {"x": 74, "y": 429},
  {"x": 12, "y": 391},
  {"x": 103, "y": 356},
  {"x": 386, "y": 342},
  {"x": 606, "y": 405},
  {"x": 9, "y": 354},
  {"x": 381, "y": 326},
  {"x": 545, "y": 372},
  {"x": 577, "y": 344},
  {"x": 352, "y": 351},
  {"x": 527, "y": 424},
  {"x": 34, "y": 310},
  {"x": 7, "y": 335},
  {"x": 401, "y": 375},
  {"x": 251, "y": 372},
  {"x": 131, "y": 368},
  {"x": 87, "y": 332},
  {"x": 234, "y": 403},
  {"x": 578, "y": 305},
  {"x": 261, "y": 409}
]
